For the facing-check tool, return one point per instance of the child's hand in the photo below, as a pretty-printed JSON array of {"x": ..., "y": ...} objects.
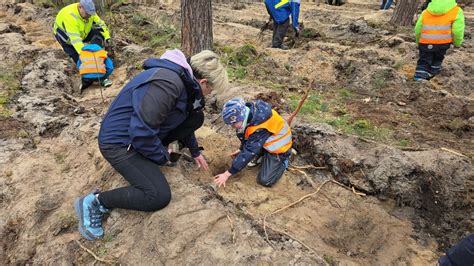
[{"x": 222, "y": 178}]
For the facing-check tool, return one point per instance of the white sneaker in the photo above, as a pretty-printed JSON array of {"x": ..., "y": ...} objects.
[{"x": 255, "y": 161}]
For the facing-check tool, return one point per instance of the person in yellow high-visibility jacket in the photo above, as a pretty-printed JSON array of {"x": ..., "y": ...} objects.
[
  {"x": 78, "y": 23},
  {"x": 440, "y": 25}
]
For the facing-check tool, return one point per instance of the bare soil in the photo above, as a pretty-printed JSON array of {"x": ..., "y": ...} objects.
[{"x": 418, "y": 197}]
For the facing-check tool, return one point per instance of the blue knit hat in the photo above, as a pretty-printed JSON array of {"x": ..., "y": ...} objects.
[
  {"x": 233, "y": 111},
  {"x": 88, "y": 6}
]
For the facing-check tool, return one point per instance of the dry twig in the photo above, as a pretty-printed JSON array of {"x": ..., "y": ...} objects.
[
  {"x": 231, "y": 228},
  {"x": 310, "y": 181},
  {"x": 309, "y": 166},
  {"x": 94, "y": 255},
  {"x": 289, "y": 205},
  {"x": 453, "y": 152},
  {"x": 300, "y": 103},
  {"x": 303, "y": 198}
]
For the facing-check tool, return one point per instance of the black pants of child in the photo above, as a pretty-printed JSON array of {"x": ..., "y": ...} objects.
[
  {"x": 279, "y": 33},
  {"x": 273, "y": 167},
  {"x": 336, "y": 2},
  {"x": 460, "y": 254},
  {"x": 430, "y": 60},
  {"x": 149, "y": 190}
]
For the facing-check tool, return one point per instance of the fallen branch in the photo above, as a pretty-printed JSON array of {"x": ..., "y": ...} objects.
[
  {"x": 453, "y": 152},
  {"x": 309, "y": 166},
  {"x": 300, "y": 103},
  {"x": 94, "y": 255},
  {"x": 310, "y": 181},
  {"x": 349, "y": 188},
  {"x": 288, "y": 206},
  {"x": 231, "y": 228}
]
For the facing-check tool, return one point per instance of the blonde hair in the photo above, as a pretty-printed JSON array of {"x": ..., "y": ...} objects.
[{"x": 208, "y": 66}]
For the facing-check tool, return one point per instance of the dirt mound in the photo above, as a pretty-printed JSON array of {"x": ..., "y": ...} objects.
[{"x": 436, "y": 182}]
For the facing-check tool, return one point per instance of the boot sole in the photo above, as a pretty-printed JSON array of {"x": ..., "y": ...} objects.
[{"x": 82, "y": 230}]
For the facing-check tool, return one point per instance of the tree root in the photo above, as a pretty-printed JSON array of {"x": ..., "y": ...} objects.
[
  {"x": 94, "y": 255},
  {"x": 300, "y": 200}
]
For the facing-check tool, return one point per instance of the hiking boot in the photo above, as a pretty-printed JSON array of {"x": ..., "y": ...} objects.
[
  {"x": 255, "y": 161},
  {"x": 418, "y": 79},
  {"x": 106, "y": 83},
  {"x": 90, "y": 214}
]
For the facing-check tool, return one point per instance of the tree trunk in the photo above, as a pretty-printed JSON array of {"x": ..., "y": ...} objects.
[
  {"x": 196, "y": 26},
  {"x": 403, "y": 15}
]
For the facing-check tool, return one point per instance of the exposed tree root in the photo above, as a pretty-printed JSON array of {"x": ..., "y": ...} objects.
[
  {"x": 94, "y": 255},
  {"x": 300, "y": 200}
]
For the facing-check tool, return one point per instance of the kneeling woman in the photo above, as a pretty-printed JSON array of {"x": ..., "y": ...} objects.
[{"x": 160, "y": 105}]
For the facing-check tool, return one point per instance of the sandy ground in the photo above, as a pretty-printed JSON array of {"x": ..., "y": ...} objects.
[{"x": 58, "y": 160}]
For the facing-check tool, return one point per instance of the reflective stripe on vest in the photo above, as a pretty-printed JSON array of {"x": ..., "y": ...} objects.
[
  {"x": 281, "y": 140},
  {"x": 437, "y": 29},
  {"x": 92, "y": 62}
]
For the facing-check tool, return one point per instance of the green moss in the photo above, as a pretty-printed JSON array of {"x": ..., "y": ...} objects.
[
  {"x": 9, "y": 85},
  {"x": 403, "y": 142},
  {"x": 309, "y": 33},
  {"x": 59, "y": 158},
  {"x": 329, "y": 260},
  {"x": 243, "y": 56},
  {"x": 379, "y": 79},
  {"x": 142, "y": 30},
  {"x": 344, "y": 94}
]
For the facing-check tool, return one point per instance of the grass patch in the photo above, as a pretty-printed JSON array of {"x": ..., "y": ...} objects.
[
  {"x": 379, "y": 79},
  {"x": 60, "y": 158},
  {"x": 238, "y": 59},
  {"x": 312, "y": 106},
  {"x": 329, "y": 260},
  {"x": 9, "y": 85},
  {"x": 141, "y": 30}
]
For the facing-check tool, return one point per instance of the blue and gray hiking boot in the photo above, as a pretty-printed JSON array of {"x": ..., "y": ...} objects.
[{"x": 90, "y": 213}]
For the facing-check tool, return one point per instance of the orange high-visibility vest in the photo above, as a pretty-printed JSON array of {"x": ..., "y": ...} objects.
[
  {"x": 437, "y": 29},
  {"x": 92, "y": 62},
  {"x": 280, "y": 141}
]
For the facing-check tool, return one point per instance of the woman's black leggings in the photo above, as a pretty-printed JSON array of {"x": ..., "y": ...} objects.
[{"x": 148, "y": 190}]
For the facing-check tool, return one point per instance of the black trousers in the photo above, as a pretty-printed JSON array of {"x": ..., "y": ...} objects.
[
  {"x": 462, "y": 253},
  {"x": 273, "y": 167},
  {"x": 430, "y": 60},
  {"x": 279, "y": 33},
  {"x": 336, "y": 2},
  {"x": 62, "y": 37},
  {"x": 149, "y": 190}
]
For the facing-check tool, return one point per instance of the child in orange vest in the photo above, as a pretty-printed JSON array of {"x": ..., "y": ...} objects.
[
  {"x": 440, "y": 25},
  {"x": 260, "y": 130},
  {"x": 94, "y": 65}
]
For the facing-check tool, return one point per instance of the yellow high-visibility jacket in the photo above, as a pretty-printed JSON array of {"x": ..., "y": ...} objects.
[{"x": 70, "y": 21}]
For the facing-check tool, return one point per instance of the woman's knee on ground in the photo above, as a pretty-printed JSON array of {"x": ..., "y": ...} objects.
[{"x": 157, "y": 200}]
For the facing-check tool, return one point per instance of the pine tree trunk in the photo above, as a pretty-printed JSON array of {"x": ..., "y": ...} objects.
[
  {"x": 196, "y": 26},
  {"x": 403, "y": 15}
]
